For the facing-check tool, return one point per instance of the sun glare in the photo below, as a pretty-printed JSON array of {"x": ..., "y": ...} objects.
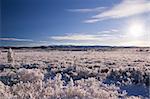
[
  {"x": 135, "y": 32},
  {"x": 136, "y": 29}
]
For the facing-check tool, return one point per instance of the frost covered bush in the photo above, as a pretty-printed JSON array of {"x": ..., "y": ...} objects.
[
  {"x": 74, "y": 75},
  {"x": 129, "y": 76},
  {"x": 9, "y": 78},
  {"x": 38, "y": 65},
  {"x": 29, "y": 90},
  {"x": 98, "y": 90},
  {"x": 78, "y": 72},
  {"x": 56, "y": 89},
  {"x": 30, "y": 75},
  {"x": 5, "y": 91},
  {"x": 10, "y": 56}
]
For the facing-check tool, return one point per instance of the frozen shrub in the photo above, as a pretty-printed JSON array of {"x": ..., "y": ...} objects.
[
  {"x": 55, "y": 89},
  {"x": 9, "y": 78},
  {"x": 30, "y": 75},
  {"x": 10, "y": 56},
  {"x": 81, "y": 89},
  {"x": 71, "y": 83},
  {"x": 104, "y": 70},
  {"x": 4, "y": 91},
  {"x": 57, "y": 75},
  {"x": 2, "y": 67},
  {"x": 96, "y": 90},
  {"x": 83, "y": 72},
  {"x": 38, "y": 65},
  {"x": 128, "y": 76},
  {"x": 74, "y": 93},
  {"x": 30, "y": 66},
  {"x": 27, "y": 90},
  {"x": 58, "y": 82}
]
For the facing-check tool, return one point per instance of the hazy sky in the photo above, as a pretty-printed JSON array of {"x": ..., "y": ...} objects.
[{"x": 75, "y": 22}]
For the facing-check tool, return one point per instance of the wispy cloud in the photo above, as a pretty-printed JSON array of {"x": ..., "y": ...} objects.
[
  {"x": 112, "y": 31},
  {"x": 106, "y": 37},
  {"x": 15, "y": 39},
  {"x": 97, "y": 9},
  {"x": 99, "y": 36},
  {"x": 78, "y": 37},
  {"x": 99, "y": 39},
  {"x": 124, "y": 9},
  {"x": 22, "y": 42}
]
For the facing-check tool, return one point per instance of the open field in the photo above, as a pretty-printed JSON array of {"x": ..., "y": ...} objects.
[{"x": 109, "y": 73}]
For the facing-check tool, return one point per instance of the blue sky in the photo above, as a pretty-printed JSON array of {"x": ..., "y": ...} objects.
[{"x": 75, "y": 22}]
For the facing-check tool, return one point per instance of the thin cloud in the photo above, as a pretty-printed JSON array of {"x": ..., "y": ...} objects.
[
  {"x": 43, "y": 41},
  {"x": 88, "y": 37},
  {"x": 126, "y": 8},
  {"x": 111, "y": 31},
  {"x": 106, "y": 37},
  {"x": 15, "y": 39},
  {"x": 79, "y": 37},
  {"x": 97, "y": 9}
]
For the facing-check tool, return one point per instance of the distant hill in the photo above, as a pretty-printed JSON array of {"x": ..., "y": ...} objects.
[{"x": 71, "y": 47}]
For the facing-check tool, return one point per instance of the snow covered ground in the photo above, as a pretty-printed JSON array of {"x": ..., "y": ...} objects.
[{"x": 105, "y": 74}]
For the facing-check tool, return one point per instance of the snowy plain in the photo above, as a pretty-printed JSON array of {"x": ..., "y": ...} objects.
[{"x": 113, "y": 73}]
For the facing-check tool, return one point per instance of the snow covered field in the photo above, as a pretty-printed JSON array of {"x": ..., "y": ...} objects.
[{"x": 105, "y": 74}]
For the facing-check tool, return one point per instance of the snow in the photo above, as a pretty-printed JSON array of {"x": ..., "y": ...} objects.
[{"x": 111, "y": 74}]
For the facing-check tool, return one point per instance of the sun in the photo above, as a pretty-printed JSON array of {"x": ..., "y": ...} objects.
[
  {"x": 136, "y": 29},
  {"x": 135, "y": 32}
]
